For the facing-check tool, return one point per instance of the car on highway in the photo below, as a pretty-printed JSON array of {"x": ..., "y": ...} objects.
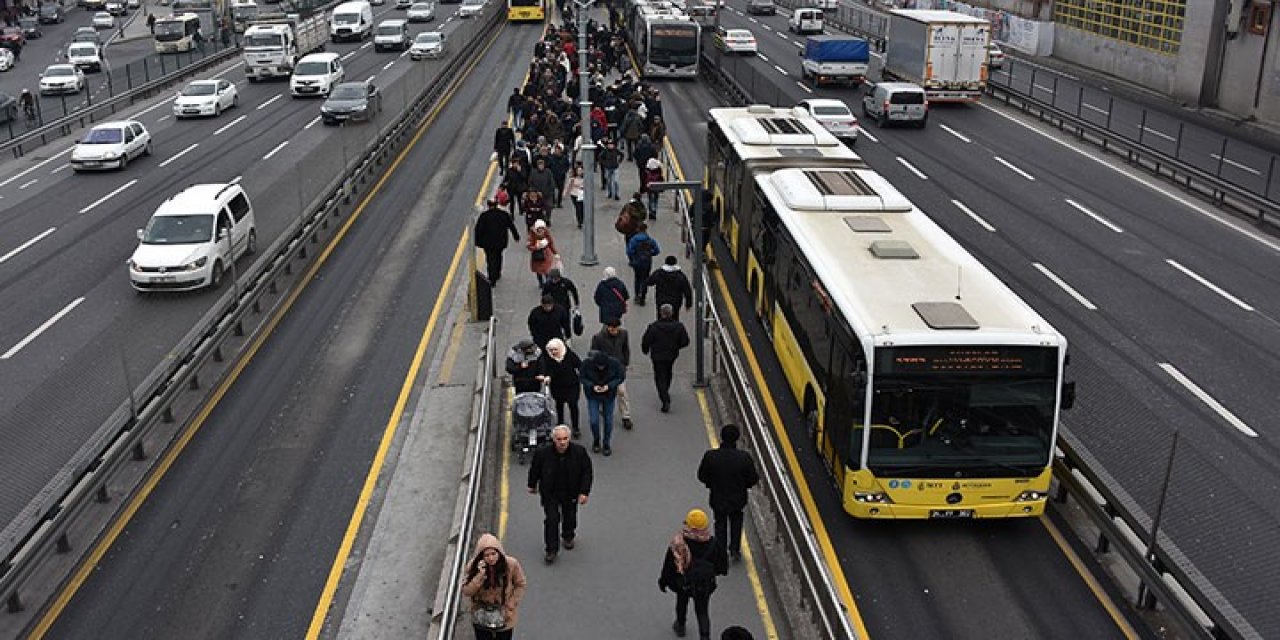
[
  {"x": 392, "y": 34},
  {"x": 427, "y": 45},
  {"x": 86, "y": 34},
  {"x": 103, "y": 20},
  {"x": 995, "y": 56},
  {"x": 86, "y": 56},
  {"x": 12, "y": 37},
  {"x": 111, "y": 145},
  {"x": 51, "y": 13},
  {"x": 316, "y": 74},
  {"x": 761, "y": 8},
  {"x": 352, "y": 101},
  {"x": 205, "y": 98},
  {"x": 30, "y": 27},
  {"x": 735, "y": 41},
  {"x": 421, "y": 12},
  {"x": 193, "y": 238},
  {"x": 8, "y": 108},
  {"x": 889, "y": 102},
  {"x": 133, "y": 4},
  {"x": 116, "y": 8},
  {"x": 6, "y": 59},
  {"x": 61, "y": 78},
  {"x": 403, "y": 4},
  {"x": 470, "y": 8},
  {"x": 834, "y": 115}
]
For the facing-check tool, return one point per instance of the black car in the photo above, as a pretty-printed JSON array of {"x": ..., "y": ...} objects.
[
  {"x": 51, "y": 13},
  {"x": 30, "y": 27},
  {"x": 351, "y": 101},
  {"x": 761, "y": 7}
]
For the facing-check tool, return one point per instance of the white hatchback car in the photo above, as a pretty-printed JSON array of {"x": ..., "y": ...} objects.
[
  {"x": 834, "y": 115},
  {"x": 316, "y": 74},
  {"x": 103, "y": 20},
  {"x": 61, "y": 78},
  {"x": 193, "y": 238},
  {"x": 427, "y": 45},
  {"x": 470, "y": 8},
  {"x": 205, "y": 98},
  {"x": 421, "y": 12},
  {"x": 111, "y": 145}
]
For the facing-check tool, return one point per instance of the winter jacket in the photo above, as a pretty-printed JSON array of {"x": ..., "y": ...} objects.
[
  {"x": 564, "y": 374},
  {"x": 644, "y": 151},
  {"x": 542, "y": 180},
  {"x": 641, "y": 249},
  {"x": 632, "y": 126},
  {"x": 671, "y": 286},
  {"x": 558, "y": 163},
  {"x": 548, "y": 254},
  {"x": 610, "y": 158},
  {"x": 664, "y": 339},
  {"x": 619, "y": 346},
  {"x": 674, "y": 580},
  {"x": 545, "y": 325},
  {"x": 524, "y": 379},
  {"x": 611, "y": 297},
  {"x": 504, "y": 139},
  {"x": 574, "y": 464},
  {"x": 601, "y": 369},
  {"x": 508, "y": 594},
  {"x": 492, "y": 228},
  {"x": 563, "y": 290},
  {"x": 728, "y": 472}
]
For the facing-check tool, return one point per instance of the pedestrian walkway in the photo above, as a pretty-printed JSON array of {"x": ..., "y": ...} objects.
[{"x": 607, "y": 586}]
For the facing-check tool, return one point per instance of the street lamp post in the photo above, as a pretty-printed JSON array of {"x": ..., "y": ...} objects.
[
  {"x": 588, "y": 148},
  {"x": 699, "y": 315}
]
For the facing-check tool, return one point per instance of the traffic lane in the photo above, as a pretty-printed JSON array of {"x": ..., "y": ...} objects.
[
  {"x": 265, "y": 490},
  {"x": 42, "y": 52}
]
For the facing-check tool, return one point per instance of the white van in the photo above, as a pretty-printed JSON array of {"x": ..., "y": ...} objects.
[
  {"x": 806, "y": 21},
  {"x": 392, "y": 34},
  {"x": 85, "y": 56},
  {"x": 316, "y": 74},
  {"x": 193, "y": 238},
  {"x": 351, "y": 21}
]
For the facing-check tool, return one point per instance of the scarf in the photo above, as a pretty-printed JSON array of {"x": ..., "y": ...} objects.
[{"x": 680, "y": 549}]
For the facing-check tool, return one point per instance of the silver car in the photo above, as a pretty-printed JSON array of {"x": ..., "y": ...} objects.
[
  {"x": 427, "y": 45},
  {"x": 421, "y": 12},
  {"x": 890, "y": 102},
  {"x": 834, "y": 116}
]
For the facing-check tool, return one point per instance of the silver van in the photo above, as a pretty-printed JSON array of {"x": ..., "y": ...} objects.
[{"x": 890, "y": 102}]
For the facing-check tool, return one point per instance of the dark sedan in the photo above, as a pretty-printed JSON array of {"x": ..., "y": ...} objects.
[
  {"x": 51, "y": 13},
  {"x": 351, "y": 101},
  {"x": 10, "y": 36}
]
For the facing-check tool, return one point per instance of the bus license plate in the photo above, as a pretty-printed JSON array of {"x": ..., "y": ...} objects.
[{"x": 951, "y": 514}]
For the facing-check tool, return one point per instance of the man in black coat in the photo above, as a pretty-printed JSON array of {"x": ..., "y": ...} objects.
[
  {"x": 671, "y": 287},
  {"x": 561, "y": 473},
  {"x": 491, "y": 235},
  {"x": 561, "y": 289},
  {"x": 728, "y": 472},
  {"x": 663, "y": 341},
  {"x": 548, "y": 320},
  {"x": 504, "y": 139}
]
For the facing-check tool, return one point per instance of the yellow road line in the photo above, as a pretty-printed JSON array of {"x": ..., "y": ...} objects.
[
  {"x": 451, "y": 353},
  {"x": 504, "y": 492},
  {"x": 753, "y": 574},
  {"x": 1098, "y": 592}
]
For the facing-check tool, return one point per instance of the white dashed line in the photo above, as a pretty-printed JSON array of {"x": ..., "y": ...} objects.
[
  {"x": 1015, "y": 169},
  {"x": 1089, "y": 106},
  {"x": 1064, "y": 286},
  {"x": 1235, "y": 164},
  {"x": 802, "y": 86},
  {"x": 41, "y": 329},
  {"x": 366, "y": 45},
  {"x": 781, "y": 70},
  {"x": 269, "y": 101},
  {"x": 1160, "y": 133},
  {"x": 162, "y": 119},
  {"x": 226, "y": 71},
  {"x": 388, "y": 65},
  {"x": 1048, "y": 90},
  {"x": 1101, "y": 220},
  {"x": 109, "y": 195},
  {"x": 275, "y": 150},
  {"x": 863, "y": 133},
  {"x": 1211, "y": 286},
  {"x": 349, "y": 54},
  {"x": 179, "y": 154},
  {"x": 24, "y": 246},
  {"x": 36, "y": 166},
  {"x": 229, "y": 125},
  {"x": 1208, "y": 399},
  {"x": 954, "y": 133},
  {"x": 910, "y": 167},
  {"x": 151, "y": 108},
  {"x": 28, "y": 183},
  {"x": 976, "y": 218},
  {"x": 762, "y": 56},
  {"x": 312, "y": 123},
  {"x": 61, "y": 167}
]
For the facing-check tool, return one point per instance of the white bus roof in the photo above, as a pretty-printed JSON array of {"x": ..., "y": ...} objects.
[
  {"x": 938, "y": 15},
  {"x": 896, "y": 275},
  {"x": 760, "y": 132}
]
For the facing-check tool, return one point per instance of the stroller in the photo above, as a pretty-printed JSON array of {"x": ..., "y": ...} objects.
[{"x": 533, "y": 416}]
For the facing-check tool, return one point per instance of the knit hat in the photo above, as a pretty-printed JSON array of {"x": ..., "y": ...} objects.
[
  {"x": 653, "y": 163},
  {"x": 670, "y": 260},
  {"x": 697, "y": 519},
  {"x": 542, "y": 224},
  {"x": 729, "y": 433}
]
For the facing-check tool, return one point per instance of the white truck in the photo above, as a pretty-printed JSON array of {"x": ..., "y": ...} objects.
[
  {"x": 943, "y": 51},
  {"x": 273, "y": 44}
]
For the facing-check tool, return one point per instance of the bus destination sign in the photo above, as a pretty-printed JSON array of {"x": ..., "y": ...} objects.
[{"x": 965, "y": 359}]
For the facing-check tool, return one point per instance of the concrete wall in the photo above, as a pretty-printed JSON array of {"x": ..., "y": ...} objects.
[{"x": 1241, "y": 90}]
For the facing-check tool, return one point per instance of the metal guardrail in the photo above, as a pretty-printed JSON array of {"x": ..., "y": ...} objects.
[{"x": 130, "y": 434}]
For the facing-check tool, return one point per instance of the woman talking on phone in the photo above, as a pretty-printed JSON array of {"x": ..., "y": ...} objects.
[{"x": 495, "y": 584}]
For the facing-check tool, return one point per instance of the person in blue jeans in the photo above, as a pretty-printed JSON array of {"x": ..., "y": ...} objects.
[
  {"x": 600, "y": 375},
  {"x": 610, "y": 158}
]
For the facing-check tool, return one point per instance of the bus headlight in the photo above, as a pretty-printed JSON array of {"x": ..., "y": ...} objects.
[
  {"x": 872, "y": 497},
  {"x": 1031, "y": 496}
]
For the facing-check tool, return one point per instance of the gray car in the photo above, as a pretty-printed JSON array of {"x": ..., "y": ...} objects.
[{"x": 351, "y": 101}]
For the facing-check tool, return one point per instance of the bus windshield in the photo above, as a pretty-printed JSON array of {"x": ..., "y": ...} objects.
[
  {"x": 167, "y": 31},
  {"x": 962, "y": 411},
  {"x": 673, "y": 44}
]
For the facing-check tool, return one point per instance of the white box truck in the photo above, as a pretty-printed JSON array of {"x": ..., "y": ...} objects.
[
  {"x": 273, "y": 44},
  {"x": 943, "y": 51}
]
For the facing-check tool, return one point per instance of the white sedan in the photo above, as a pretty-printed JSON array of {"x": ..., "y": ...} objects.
[
  {"x": 205, "y": 98},
  {"x": 421, "y": 12},
  {"x": 736, "y": 41},
  {"x": 6, "y": 59},
  {"x": 470, "y": 8},
  {"x": 103, "y": 20},
  {"x": 111, "y": 145},
  {"x": 61, "y": 78},
  {"x": 427, "y": 45},
  {"x": 834, "y": 116}
]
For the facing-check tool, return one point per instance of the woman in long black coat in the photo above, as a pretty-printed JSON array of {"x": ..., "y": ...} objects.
[{"x": 562, "y": 365}]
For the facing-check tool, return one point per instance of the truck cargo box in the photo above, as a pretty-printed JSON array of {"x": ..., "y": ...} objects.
[{"x": 836, "y": 49}]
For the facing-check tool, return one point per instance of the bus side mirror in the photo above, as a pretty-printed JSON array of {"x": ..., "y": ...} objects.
[{"x": 1068, "y": 395}]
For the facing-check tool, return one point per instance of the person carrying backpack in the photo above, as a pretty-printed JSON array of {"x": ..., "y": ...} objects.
[
  {"x": 693, "y": 560},
  {"x": 641, "y": 249}
]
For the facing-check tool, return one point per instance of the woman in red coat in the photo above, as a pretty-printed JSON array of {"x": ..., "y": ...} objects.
[{"x": 542, "y": 251}]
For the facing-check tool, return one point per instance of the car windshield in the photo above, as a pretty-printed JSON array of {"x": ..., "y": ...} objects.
[
  {"x": 347, "y": 92},
  {"x": 739, "y": 34},
  {"x": 472, "y": 3},
  {"x": 420, "y": 7},
  {"x": 59, "y": 71},
  {"x": 200, "y": 89},
  {"x": 388, "y": 31},
  {"x": 49, "y": 9},
  {"x": 103, "y": 136},
  {"x": 831, "y": 110},
  {"x": 428, "y": 38},
  {"x": 312, "y": 69},
  {"x": 101, "y": 15},
  {"x": 194, "y": 229},
  {"x": 83, "y": 50},
  {"x": 346, "y": 18}
]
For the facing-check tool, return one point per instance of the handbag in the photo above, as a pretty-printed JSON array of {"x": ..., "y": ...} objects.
[
  {"x": 488, "y": 616},
  {"x": 539, "y": 255},
  {"x": 578, "y": 326}
]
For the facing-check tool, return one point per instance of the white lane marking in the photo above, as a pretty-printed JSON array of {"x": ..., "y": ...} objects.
[
  {"x": 919, "y": 174},
  {"x": 767, "y": 27},
  {"x": 1160, "y": 133},
  {"x": 1089, "y": 106},
  {"x": 152, "y": 108},
  {"x": 1208, "y": 399},
  {"x": 1048, "y": 90},
  {"x": 1142, "y": 180},
  {"x": 28, "y": 183},
  {"x": 224, "y": 72},
  {"x": 229, "y": 125},
  {"x": 179, "y": 154},
  {"x": 1064, "y": 286},
  {"x": 22, "y": 247},
  {"x": 1211, "y": 286},
  {"x": 350, "y": 53},
  {"x": 1235, "y": 164},
  {"x": 863, "y": 133},
  {"x": 372, "y": 78},
  {"x": 312, "y": 123},
  {"x": 109, "y": 195},
  {"x": 954, "y": 133},
  {"x": 273, "y": 151},
  {"x": 1101, "y": 220},
  {"x": 366, "y": 45},
  {"x": 781, "y": 70},
  {"x": 41, "y": 329},
  {"x": 36, "y": 166},
  {"x": 753, "y": 21},
  {"x": 1015, "y": 169},
  {"x": 162, "y": 119},
  {"x": 61, "y": 167},
  {"x": 802, "y": 86},
  {"x": 269, "y": 101},
  {"x": 388, "y": 65},
  {"x": 403, "y": 53},
  {"x": 762, "y": 56},
  {"x": 976, "y": 218}
]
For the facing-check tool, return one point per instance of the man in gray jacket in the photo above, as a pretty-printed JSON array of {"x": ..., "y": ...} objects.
[{"x": 614, "y": 341}]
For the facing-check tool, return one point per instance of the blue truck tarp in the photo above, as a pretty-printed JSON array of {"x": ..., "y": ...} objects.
[{"x": 836, "y": 49}]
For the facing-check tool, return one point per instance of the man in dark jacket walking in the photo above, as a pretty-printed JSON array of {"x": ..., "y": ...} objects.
[
  {"x": 728, "y": 472},
  {"x": 503, "y": 141},
  {"x": 548, "y": 320},
  {"x": 663, "y": 341},
  {"x": 541, "y": 180},
  {"x": 601, "y": 375},
  {"x": 671, "y": 287},
  {"x": 561, "y": 473},
  {"x": 491, "y": 235},
  {"x": 613, "y": 340}
]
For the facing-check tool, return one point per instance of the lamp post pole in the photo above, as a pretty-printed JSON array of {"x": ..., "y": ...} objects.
[
  {"x": 699, "y": 315},
  {"x": 588, "y": 148}
]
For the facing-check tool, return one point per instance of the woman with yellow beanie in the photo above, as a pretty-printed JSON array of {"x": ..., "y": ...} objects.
[{"x": 693, "y": 560}]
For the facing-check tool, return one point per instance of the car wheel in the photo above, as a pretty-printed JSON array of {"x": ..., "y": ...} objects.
[
  {"x": 235, "y": 101},
  {"x": 124, "y": 160},
  {"x": 215, "y": 276},
  {"x": 251, "y": 247},
  {"x": 217, "y": 109},
  {"x": 146, "y": 151}
]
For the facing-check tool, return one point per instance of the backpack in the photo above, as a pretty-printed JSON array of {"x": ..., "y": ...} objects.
[
  {"x": 700, "y": 575},
  {"x": 625, "y": 224},
  {"x": 645, "y": 251}
]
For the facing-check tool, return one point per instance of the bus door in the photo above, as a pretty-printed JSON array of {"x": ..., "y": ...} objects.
[
  {"x": 765, "y": 230},
  {"x": 838, "y": 440}
]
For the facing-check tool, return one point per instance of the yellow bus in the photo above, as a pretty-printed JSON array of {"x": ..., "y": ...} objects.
[
  {"x": 927, "y": 386},
  {"x": 526, "y": 10}
]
